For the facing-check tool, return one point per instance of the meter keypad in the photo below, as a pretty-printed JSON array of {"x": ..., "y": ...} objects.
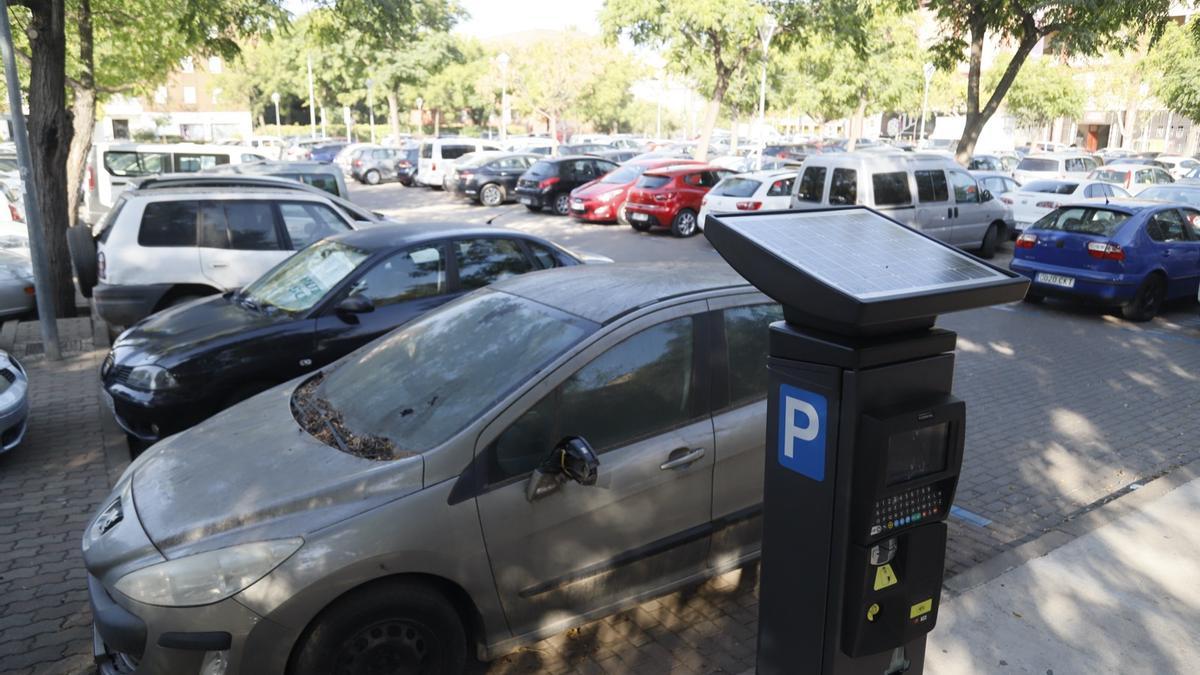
[{"x": 907, "y": 508}]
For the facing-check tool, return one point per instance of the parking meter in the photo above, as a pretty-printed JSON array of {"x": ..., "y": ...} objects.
[{"x": 864, "y": 437}]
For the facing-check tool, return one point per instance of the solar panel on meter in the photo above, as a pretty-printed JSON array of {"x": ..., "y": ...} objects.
[{"x": 853, "y": 270}]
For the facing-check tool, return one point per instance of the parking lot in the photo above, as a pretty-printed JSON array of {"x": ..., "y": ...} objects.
[{"x": 1067, "y": 407}]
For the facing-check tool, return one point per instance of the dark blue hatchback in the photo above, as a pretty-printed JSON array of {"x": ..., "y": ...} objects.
[{"x": 1133, "y": 254}]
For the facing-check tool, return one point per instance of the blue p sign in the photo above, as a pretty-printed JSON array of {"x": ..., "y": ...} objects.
[{"x": 802, "y": 431}]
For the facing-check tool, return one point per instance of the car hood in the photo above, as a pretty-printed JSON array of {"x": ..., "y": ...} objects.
[
  {"x": 251, "y": 473},
  {"x": 168, "y": 337},
  {"x": 596, "y": 188}
]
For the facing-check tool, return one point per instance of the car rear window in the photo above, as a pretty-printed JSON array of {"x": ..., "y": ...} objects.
[
  {"x": 652, "y": 182},
  {"x": 1054, "y": 187},
  {"x": 1110, "y": 175},
  {"x": 544, "y": 168},
  {"x": 891, "y": 189},
  {"x": 168, "y": 224},
  {"x": 736, "y": 187},
  {"x": 1035, "y": 164},
  {"x": 1097, "y": 221}
]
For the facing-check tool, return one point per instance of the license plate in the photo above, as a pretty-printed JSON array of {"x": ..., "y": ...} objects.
[
  {"x": 1055, "y": 280},
  {"x": 578, "y": 206},
  {"x": 528, "y": 201},
  {"x": 634, "y": 215}
]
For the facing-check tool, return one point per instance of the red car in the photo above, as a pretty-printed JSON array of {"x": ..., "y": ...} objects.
[
  {"x": 601, "y": 200},
  {"x": 670, "y": 197}
]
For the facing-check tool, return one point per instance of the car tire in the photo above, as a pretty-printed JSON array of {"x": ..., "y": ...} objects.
[
  {"x": 991, "y": 240},
  {"x": 371, "y": 177},
  {"x": 1148, "y": 300},
  {"x": 621, "y": 219},
  {"x": 408, "y": 623},
  {"x": 533, "y": 207},
  {"x": 83, "y": 257},
  {"x": 491, "y": 195},
  {"x": 562, "y": 204},
  {"x": 684, "y": 223}
]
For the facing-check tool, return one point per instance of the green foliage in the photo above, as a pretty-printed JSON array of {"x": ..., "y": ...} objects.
[
  {"x": 1173, "y": 69},
  {"x": 549, "y": 77},
  {"x": 606, "y": 99},
  {"x": 1042, "y": 92}
]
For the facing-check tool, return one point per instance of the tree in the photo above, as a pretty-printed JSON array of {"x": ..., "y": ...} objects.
[
  {"x": 713, "y": 41},
  {"x": 1173, "y": 69},
  {"x": 1069, "y": 27},
  {"x": 549, "y": 83},
  {"x": 605, "y": 100},
  {"x": 1041, "y": 93}
]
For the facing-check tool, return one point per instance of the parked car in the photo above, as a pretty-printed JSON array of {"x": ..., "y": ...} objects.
[
  {"x": 1040, "y": 197},
  {"x": 1183, "y": 194},
  {"x": 327, "y": 177},
  {"x": 437, "y": 155},
  {"x": 549, "y": 182},
  {"x": 1177, "y": 165},
  {"x": 583, "y": 149},
  {"x": 374, "y": 165},
  {"x": 429, "y": 497},
  {"x": 165, "y": 247},
  {"x": 346, "y": 156},
  {"x": 670, "y": 198},
  {"x": 1140, "y": 160},
  {"x": 1112, "y": 155},
  {"x": 1051, "y": 166},
  {"x": 406, "y": 165},
  {"x": 178, "y": 367},
  {"x": 17, "y": 294},
  {"x": 751, "y": 162},
  {"x": 14, "y": 400},
  {"x": 926, "y": 191},
  {"x": 619, "y": 156},
  {"x": 1000, "y": 185},
  {"x": 1133, "y": 177},
  {"x": 533, "y": 145},
  {"x": 1133, "y": 254},
  {"x": 791, "y": 151},
  {"x": 327, "y": 152},
  {"x": 301, "y": 149},
  {"x": 490, "y": 178},
  {"x": 759, "y": 191},
  {"x": 997, "y": 163},
  {"x": 603, "y": 200}
]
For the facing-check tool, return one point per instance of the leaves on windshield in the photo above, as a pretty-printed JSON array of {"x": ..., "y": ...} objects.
[{"x": 326, "y": 424}]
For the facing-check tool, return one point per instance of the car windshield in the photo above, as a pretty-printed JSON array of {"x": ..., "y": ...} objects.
[
  {"x": 1081, "y": 220},
  {"x": 1178, "y": 195},
  {"x": 1035, "y": 164},
  {"x": 736, "y": 187},
  {"x": 425, "y": 382},
  {"x": 1056, "y": 187},
  {"x": 302, "y": 280},
  {"x": 625, "y": 174}
]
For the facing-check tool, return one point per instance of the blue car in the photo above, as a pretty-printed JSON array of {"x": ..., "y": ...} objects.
[
  {"x": 326, "y": 152},
  {"x": 1132, "y": 254}
]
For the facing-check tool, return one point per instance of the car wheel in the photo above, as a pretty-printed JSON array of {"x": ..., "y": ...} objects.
[
  {"x": 621, "y": 219},
  {"x": 400, "y": 627},
  {"x": 491, "y": 195},
  {"x": 83, "y": 257},
  {"x": 1148, "y": 301},
  {"x": 684, "y": 224},
  {"x": 990, "y": 239},
  {"x": 562, "y": 204},
  {"x": 372, "y": 177}
]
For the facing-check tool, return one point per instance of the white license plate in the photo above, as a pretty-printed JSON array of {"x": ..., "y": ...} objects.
[
  {"x": 634, "y": 215},
  {"x": 1055, "y": 280},
  {"x": 527, "y": 200}
]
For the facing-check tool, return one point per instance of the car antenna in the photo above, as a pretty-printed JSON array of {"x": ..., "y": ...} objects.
[{"x": 501, "y": 215}]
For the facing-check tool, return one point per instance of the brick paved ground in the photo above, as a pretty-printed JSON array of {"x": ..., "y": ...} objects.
[{"x": 1066, "y": 407}]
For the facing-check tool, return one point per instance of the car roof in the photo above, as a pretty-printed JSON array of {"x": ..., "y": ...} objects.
[
  {"x": 227, "y": 192},
  {"x": 568, "y": 158},
  {"x": 1129, "y": 205},
  {"x": 765, "y": 175},
  {"x": 675, "y": 169},
  {"x": 1130, "y": 165},
  {"x": 1057, "y": 155},
  {"x": 394, "y": 236},
  {"x": 603, "y": 293}
]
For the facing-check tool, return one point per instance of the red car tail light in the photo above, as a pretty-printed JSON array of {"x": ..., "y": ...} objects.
[
  {"x": 1047, "y": 205},
  {"x": 664, "y": 196},
  {"x": 1006, "y": 200},
  {"x": 749, "y": 206},
  {"x": 91, "y": 179},
  {"x": 545, "y": 183},
  {"x": 16, "y": 215},
  {"x": 1026, "y": 240},
  {"x": 1128, "y": 178},
  {"x": 1105, "y": 250},
  {"x": 358, "y": 162}
]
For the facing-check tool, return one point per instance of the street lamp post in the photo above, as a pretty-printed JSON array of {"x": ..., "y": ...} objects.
[
  {"x": 502, "y": 61},
  {"x": 928, "y": 71},
  {"x": 312, "y": 105},
  {"x": 765, "y": 31},
  {"x": 275, "y": 100},
  {"x": 420, "y": 116},
  {"x": 371, "y": 107}
]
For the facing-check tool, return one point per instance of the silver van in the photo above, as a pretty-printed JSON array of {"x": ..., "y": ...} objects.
[
  {"x": 925, "y": 191},
  {"x": 545, "y": 451}
]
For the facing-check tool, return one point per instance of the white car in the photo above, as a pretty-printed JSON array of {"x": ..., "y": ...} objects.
[
  {"x": 1133, "y": 177},
  {"x": 758, "y": 191},
  {"x": 1037, "y": 198},
  {"x": 1000, "y": 184},
  {"x": 1053, "y": 165},
  {"x": 1177, "y": 165}
]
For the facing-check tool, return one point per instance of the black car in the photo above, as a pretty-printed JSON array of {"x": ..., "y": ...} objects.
[
  {"x": 406, "y": 165},
  {"x": 489, "y": 178},
  {"x": 548, "y": 183},
  {"x": 619, "y": 156},
  {"x": 180, "y": 366}
]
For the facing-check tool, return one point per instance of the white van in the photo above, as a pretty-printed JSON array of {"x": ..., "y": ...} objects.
[
  {"x": 111, "y": 165},
  {"x": 438, "y": 154},
  {"x": 1055, "y": 166},
  {"x": 928, "y": 192}
]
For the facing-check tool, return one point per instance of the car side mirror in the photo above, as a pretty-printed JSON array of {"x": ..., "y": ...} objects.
[
  {"x": 571, "y": 459},
  {"x": 349, "y": 308},
  {"x": 986, "y": 195}
]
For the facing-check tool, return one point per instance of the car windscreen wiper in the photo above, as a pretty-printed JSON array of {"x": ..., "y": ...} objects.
[{"x": 325, "y": 419}]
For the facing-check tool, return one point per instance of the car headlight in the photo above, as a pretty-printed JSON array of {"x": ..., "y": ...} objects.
[
  {"x": 209, "y": 577},
  {"x": 610, "y": 195},
  {"x": 151, "y": 378}
]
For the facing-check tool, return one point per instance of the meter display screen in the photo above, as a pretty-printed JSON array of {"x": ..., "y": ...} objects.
[{"x": 916, "y": 453}]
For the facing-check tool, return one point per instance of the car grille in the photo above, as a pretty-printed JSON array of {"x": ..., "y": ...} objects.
[
  {"x": 120, "y": 374},
  {"x": 8, "y": 375}
]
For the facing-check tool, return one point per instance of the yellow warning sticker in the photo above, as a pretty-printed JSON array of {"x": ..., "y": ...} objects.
[
  {"x": 884, "y": 577},
  {"x": 923, "y": 607}
]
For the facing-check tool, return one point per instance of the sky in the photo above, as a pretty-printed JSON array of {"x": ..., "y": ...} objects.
[{"x": 490, "y": 18}]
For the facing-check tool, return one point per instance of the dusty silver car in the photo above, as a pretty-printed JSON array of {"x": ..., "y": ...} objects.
[{"x": 529, "y": 457}]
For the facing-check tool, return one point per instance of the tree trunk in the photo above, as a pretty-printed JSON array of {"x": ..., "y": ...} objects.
[
  {"x": 710, "y": 116},
  {"x": 437, "y": 122},
  {"x": 978, "y": 117},
  {"x": 49, "y": 139},
  {"x": 83, "y": 113},
  {"x": 856, "y": 123},
  {"x": 394, "y": 116}
]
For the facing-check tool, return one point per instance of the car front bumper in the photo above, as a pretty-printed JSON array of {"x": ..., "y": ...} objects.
[
  {"x": 152, "y": 416},
  {"x": 126, "y": 305},
  {"x": 594, "y": 211}
]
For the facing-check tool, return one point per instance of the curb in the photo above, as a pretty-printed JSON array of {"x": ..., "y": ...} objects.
[{"x": 116, "y": 447}]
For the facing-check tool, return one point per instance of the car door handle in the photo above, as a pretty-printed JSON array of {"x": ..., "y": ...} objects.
[
  {"x": 949, "y": 213},
  {"x": 220, "y": 264},
  {"x": 682, "y": 457}
]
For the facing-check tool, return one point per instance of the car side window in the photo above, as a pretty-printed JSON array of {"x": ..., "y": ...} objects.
[
  {"x": 191, "y": 163},
  {"x": 168, "y": 224},
  {"x": 642, "y": 386},
  {"x": 307, "y": 222},
  {"x": 485, "y": 261},
  {"x": 456, "y": 151},
  {"x": 781, "y": 187},
  {"x": 1094, "y": 190},
  {"x": 931, "y": 186},
  {"x": 891, "y": 189},
  {"x": 812, "y": 184},
  {"x": 545, "y": 257},
  {"x": 1143, "y": 176},
  {"x": 1163, "y": 176},
  {"x": 844, "y": 187},
  {"x": 252, "y": 226},
  {"x": 1166, "y": 226},
  {"x": 1192, "y": 216},
  {"x": 408, "y": 275},
  {"x": 965, "y": 189},
  {"x": 746, "y": 344}
]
